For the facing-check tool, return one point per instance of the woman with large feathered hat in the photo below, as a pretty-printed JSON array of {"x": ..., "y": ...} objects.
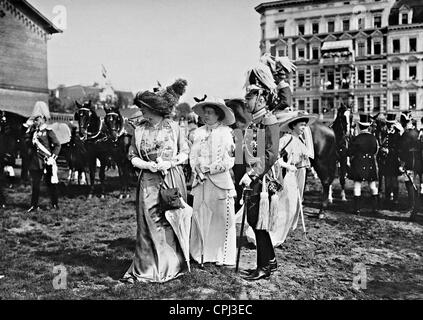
[{"x": 158, "y": 150}]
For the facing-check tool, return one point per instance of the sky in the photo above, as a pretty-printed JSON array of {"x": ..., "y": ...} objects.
[{"x": 211, "y": 43}]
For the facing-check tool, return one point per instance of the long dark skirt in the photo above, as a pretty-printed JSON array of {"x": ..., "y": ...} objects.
[{"x": 158, "y": 253}]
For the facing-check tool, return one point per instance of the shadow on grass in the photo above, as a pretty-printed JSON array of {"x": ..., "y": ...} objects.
[{"x": 107, "y": 265}]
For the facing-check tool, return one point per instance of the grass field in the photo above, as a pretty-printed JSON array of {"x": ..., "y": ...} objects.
[{"x": 94, "y": 240}]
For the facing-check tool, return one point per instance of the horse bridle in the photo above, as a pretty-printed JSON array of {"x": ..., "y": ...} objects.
[
  {"x": 122, "y": 130},
  {"x": 86, "y": 138}
]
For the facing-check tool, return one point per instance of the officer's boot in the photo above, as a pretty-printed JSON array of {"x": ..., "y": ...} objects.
[
  {"x": 375, "y": 204},
  {"x": 356, "y": 205}
]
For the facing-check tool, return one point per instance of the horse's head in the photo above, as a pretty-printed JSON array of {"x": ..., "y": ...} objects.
[
  {"x": 342, "y": 123},
  {"x": 113, "y": 121},
  {"x": 83, "y": 115},
  {"x": 242, "y": 114}
]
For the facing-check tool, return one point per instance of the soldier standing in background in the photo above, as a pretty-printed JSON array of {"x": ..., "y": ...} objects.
[
  {"x": 362, "y": 151},
  {"x": 43, "y": 148}
]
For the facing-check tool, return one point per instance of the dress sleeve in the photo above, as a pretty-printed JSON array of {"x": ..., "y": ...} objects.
[
  {"x": 193, "y": 156},
  {"x": 228, "y": 158},
  {"x": 133, "y": 150}
]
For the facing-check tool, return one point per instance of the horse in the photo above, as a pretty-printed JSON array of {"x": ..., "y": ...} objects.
[
  {"x": 75, "y": 155},
  {"x": 91, "y": 132},
  {"x": 324, "y": 144},
  {"x": 118, "y": 142},
  {"x": 341, "y": 127}
]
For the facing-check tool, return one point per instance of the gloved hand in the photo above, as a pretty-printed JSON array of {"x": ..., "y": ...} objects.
[{"x": 246, "y": 180}]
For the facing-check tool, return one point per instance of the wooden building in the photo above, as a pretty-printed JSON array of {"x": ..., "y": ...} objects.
[{"x": 24, "y": 33}]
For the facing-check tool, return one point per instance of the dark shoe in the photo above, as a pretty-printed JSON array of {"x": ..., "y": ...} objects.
[
  {"x": 260, "y": 273},
  {"x": 33, "y": 209},
  {"x": 356, "y": 210},
  {"x": 375, "y": 204},
  {"x": 273, "y": 265}
]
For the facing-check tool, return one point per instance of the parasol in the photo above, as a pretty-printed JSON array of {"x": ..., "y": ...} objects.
[{"x": 180, "y": 220}]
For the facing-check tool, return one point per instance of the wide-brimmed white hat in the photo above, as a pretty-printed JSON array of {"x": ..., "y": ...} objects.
[
  {"x": 294, "y": 116},
  {"x": 219, "y": 103}
]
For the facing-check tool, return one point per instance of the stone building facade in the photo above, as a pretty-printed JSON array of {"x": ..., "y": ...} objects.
[
  {"x": 24, "y": 33},
  {"x": 342, "y": 50}
]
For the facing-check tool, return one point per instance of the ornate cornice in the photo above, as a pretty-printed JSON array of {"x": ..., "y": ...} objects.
[{"x": 23, "y": 88}]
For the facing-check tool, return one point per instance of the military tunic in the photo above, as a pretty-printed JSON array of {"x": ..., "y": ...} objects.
[
  {"x": 388, "y": 155},
  {"x": 48, "y": 139},
  {"x": 362, "y": 151}
]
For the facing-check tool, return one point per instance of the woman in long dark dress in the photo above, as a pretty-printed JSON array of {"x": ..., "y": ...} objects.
[{"x": 158, "y": 149}]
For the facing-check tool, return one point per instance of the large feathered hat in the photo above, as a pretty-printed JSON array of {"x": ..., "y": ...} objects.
[
  {"x": 260, "y": 76},
  {"x": 163, "y": 101},
  {"x": 278, "y": 64}
]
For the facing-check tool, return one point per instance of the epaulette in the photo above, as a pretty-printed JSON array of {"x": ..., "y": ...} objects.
[{"x": 269, "y": 119}]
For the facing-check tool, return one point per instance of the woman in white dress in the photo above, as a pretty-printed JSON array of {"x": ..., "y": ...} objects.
[
  {"x": 293, "y": 164},
  {"x": 213, "y": 232}
]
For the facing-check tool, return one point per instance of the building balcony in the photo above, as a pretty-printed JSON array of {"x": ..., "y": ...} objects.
[{"x": 331, "y": 61}]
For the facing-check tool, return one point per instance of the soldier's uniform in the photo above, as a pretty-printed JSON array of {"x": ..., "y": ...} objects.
[
  {"x": 362, "y": 151},
  {"x": 261, "y": 147},
  {"x": 37, "y": 162},
  {"x": 389, "y": 159}
]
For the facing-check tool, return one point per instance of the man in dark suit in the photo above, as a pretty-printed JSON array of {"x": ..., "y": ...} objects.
[
  {"x": 362, "y": 151},
  {"x": 389, "y": 155},
  {"x": 261, "y": 145},
  {"x": 43, "y": 148}
]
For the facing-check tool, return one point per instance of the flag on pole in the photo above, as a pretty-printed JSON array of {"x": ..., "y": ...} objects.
[{"x": 103, "y": 71}]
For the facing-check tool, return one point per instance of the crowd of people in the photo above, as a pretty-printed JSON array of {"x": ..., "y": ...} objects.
[{"x": 267, "y": 174}]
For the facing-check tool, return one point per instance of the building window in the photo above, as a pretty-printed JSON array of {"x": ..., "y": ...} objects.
[
  {"x": 281, "y": 31},
  {"x": 345, "y": 81},
  {"x": 315, "y": 79},
  {"x": 413, "y": 44},
  {"x": 301, "y": 53},
  {"x": 412, "y": 72},
  {"x": 361, "y": 76},
  {"x": 301, "y": 105},
  {"x": 396, "y": 45},
  {"x": 360, "y": 103},
  {"x": 360, "y": 23},
  {"x": 395, "y": 100},
  {"x": 331, "y": 26},
  {"x": 412, "y": 100},
  {"x": 395, "y": 73},
  {"x": 316, "y": 106},
  {"x": 376, "y": 104},
  {"x": 377, "y": 22},
  {"x": 377, "y": 47},
  {"x": 361, "y": 49},
  {"x": 315, "y": 28},
  {"x": 315, "y": 53},
  {"x": 404, "y": 18},
  {"x": 301, "y": 29},
  {"x": 281, "y": 53},
  {"x": 376, "y": 75},
  {"x": 346, "y": 24},
  {"x": 301, "y": 80}
]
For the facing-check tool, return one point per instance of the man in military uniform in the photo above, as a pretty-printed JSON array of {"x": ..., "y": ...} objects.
[
  {"x": 389, "y": 154},
  {"x": 362, "y": 151},
  {"x": 43, "y": 149},
  {"x": 261, "y": 144}
]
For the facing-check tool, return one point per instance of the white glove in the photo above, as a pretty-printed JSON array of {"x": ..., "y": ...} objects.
[{"x": 246, "y": 180}]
